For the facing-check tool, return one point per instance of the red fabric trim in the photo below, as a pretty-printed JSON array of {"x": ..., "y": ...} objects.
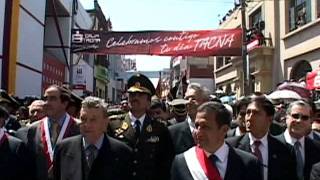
[
  {"x": 211, "y": 172},
  {"x": 3, "y": 139},
  {"x": 45, "y": 145},
  {"x": 68, "y": 131}
]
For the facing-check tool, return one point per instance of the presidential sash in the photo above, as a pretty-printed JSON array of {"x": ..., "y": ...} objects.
[
  {"x": 45, "y": 137},
  {"x": 199, "y": 165}
]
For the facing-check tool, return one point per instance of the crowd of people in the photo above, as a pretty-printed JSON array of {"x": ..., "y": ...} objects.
[{"x": 64, "y": 137}]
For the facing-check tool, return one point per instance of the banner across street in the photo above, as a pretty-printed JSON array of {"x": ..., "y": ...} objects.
[{"x": 163, "y": 43}]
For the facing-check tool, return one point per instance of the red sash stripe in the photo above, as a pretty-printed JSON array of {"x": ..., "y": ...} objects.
[
  {"x": 45, "y": 145},
  {"x": 3, "y": 139},
  {"x": 68, "y": 130},
  {"x": 211, "y": 171}
]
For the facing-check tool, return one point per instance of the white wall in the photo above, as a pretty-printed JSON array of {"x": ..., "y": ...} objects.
[
  {"x": 2, "y": 9},
  {"x": 28, "y": 82},
  {"x": 35, "y": 7},
  {"x": 30, "y": 48}
]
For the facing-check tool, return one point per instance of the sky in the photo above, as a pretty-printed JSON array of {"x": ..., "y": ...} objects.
[{"x": 136, "y": 15}]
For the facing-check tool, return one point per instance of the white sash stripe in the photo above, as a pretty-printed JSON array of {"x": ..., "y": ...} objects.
[
  {"x": 194, "y": 165},
  {"x": 61, "y": 134},
  {"x": 1, "y": 133}
]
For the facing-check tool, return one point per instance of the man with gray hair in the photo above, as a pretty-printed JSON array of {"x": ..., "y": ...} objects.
[
  {"x": 93, "y": 154},
  {"x": 182, "y": 134},
  {"x": 298, "y": 120}
]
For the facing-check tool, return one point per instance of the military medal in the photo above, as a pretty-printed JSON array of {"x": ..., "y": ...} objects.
[
  {"x": 124, "y": 126},
  {"x": 149, "y": 128}
]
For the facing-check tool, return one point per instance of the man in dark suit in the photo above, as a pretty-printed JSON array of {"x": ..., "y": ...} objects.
[
  {"x": 92, "y": 155},
  {"x": 42, "y": 135},
  {"x": 315, "y": 172},
  {"x": 298, "y": 120},
  {"x": 213, "y": 158},
  {"x": 150, "y": 140},
  {"x": 15, "y": 160},
  {"x": 182, "y": 133},
  {"x": 240, "y": 125},
  {"x": 273, "y": 154}
]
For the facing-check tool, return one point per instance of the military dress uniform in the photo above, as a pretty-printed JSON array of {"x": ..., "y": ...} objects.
[{"x": 152, "y": 148}]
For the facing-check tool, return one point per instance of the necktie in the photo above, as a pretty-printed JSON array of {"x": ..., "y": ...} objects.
[
  {"x": 300, "y": 165},
  {"x": 91, "y": 154},
  {"x": 256, "y": 150},
  {"x": 213, "y": 159},
  {"x": 137, "y": 125},
  {"x": 54, "y": 132}
]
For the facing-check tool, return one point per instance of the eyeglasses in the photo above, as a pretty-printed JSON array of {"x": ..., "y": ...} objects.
[{"x": 300, "y": 116}]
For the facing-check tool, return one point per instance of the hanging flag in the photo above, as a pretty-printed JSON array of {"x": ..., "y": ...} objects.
[{"x": 159, "y": 86}]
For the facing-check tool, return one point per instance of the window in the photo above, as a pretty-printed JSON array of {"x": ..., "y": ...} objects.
[
  {"x": 299, "y": 13},
  {"x": 227, "y": 60},
  {"x": 219, "y": 62},
  {"x": 318, "y": 9},
  {"x": 255, "y": 18}
]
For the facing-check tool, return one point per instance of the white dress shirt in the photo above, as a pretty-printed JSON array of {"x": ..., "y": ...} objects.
[
  {"x": 222, "y": 161},
  {"x": 191, "y": 124},
  {"x": 291, "y": 140},
  {"x": 264, "y": 151},
  {"x": 133, "y": 119}
]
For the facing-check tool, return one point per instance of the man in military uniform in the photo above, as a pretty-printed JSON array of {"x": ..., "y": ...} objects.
[
  {"x": 149, "y": 139},
  {"x": 10, "y": 104},
  {"x": 178, "y": 110}
]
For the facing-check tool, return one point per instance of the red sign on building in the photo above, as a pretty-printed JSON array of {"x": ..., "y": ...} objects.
[{"x": 53, "y": 72}]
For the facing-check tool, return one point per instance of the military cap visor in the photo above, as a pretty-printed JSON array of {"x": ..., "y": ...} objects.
[{"x": 138, "y": 88}]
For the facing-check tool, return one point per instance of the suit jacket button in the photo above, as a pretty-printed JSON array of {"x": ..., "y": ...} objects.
[
  {"x": 134, "y": 174},
  {"x": 135, "y": 161},
  {"x": 135, "y": 150}
]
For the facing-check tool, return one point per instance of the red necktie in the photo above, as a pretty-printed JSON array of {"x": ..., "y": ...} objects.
[{"x": 213, "y": 158}]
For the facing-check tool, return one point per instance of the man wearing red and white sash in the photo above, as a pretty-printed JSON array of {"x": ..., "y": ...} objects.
[
  {"x": 42, "y": 136},
  {"x": 15, "y": 160},
  {"x": 212, "y": 158}
]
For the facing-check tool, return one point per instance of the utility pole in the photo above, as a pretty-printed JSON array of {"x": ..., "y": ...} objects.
[
  {"x": 245, "y": 60},
  {"x": 73, "y": 12}
]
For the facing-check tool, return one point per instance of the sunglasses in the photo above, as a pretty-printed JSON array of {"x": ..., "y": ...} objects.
[{"x": 300, "y": 116}]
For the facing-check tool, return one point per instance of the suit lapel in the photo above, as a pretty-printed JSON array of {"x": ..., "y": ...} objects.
[
  {"x": 74, "y": 160},
  {"x": 272, "y": 157},
  {"x": 233, "y": 171},
  {"x": 244, "y": 143},
  {"x": 129, "y": 132},
  {"x": 101, "y": 166},
  {"x": 188, "y": 138}
]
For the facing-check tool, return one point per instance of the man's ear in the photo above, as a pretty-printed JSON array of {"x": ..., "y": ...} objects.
[{"x": 225, "y": 128}]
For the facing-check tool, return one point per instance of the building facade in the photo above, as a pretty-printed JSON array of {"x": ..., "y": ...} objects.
[
  {"x": 285, "y": 46},
  {"x": 194, "y": 69},
  {"x": 35, "y": 44}
]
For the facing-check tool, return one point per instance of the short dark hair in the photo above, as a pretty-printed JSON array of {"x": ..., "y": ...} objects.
[
  {"x": 157, "y": 103},
  {"x": 222, "y": 115},
  {"x": 264, "y": 103},
  {"x": 64, "y": 93},
  {"x": 242, "y": 102}
]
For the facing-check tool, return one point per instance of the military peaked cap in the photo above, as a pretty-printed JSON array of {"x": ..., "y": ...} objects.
[{"x": 140, "y": 83}]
